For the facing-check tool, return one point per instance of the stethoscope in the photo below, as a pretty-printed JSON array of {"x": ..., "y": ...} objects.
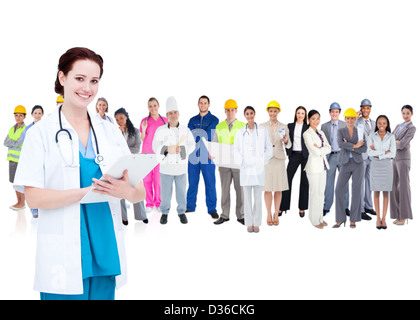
[
  {"x": 159, "y": 117},
  {"x": 99, "y": 159},
  {"x": 247, "y": 127}
]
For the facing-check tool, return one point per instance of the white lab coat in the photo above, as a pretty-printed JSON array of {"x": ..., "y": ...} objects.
[
  {"x": 252, "y": 151},
  {"x": 58, "y": 255}
]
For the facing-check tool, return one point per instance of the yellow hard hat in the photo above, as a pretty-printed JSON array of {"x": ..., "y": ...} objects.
[
  {"x": 20, "y": 109},
  {"x": 274, "y": 104},
  {"x": 60, "y": 99},
  {"x": 231, "y": 104},
  {"x": 350, "y": 113}
]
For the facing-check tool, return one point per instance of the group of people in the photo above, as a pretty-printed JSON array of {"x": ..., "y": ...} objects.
[
  {"x": 359, "y": 147},
  {"x": 80, "y": 246}
]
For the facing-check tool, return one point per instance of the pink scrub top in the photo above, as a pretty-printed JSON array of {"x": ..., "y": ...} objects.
[{"x": 152, "y": 126}]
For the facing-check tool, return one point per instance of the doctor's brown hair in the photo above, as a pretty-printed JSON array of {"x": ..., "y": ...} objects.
[{"x": 65, "y": 64}]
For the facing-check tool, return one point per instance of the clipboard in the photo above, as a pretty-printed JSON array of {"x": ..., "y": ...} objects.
[{"x": 138, "y": 166}]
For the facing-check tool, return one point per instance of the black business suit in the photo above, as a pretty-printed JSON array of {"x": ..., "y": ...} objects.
[{"x": 296, "y": 159}]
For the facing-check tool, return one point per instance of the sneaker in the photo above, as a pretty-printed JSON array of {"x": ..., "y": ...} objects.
[
  {"x": 183, "y": 218},
  {"x": 164, "y": 219}
]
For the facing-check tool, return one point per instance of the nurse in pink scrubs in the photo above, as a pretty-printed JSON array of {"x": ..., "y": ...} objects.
[{"x": 147, "y": 129}]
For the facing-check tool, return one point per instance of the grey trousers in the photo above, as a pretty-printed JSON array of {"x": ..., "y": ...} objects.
[
  {"x": 226, "y": 177},
  {"x": 354, "y": 171},
  {"x": 253, "y": 213},
  {"x": 401, "y": 191},
  {"x": 329, "y": 189},
  {"x": 139, "y": 210},
  {"x": 166, "y": 185},
  {"x": 366, "y": 191}
]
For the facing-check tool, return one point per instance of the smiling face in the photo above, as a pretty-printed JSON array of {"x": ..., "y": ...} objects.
[
  {"x": 300, "y": 115},
  {"x": 153, "y": 107},
  {"x": 382, "y": 124},
  {"x": 231, "y": 114},
  {"x": 273, "y": 113},
  {"x": 249, "y": 116},
  {"x": 102, "y": 107},
  {"x": 334, "y": 114},
  {"x": 203, "y": 105},
  {"x": 406, "y": 114},
  {"x": 81, "y": 83},
  {"x": 173, "y": 117},
  {"x": 37, "y": 115},
  {"x": 350, "y": 121},
  {"x": 314, "y": 121},
  {"x": 365, "y": 111}
]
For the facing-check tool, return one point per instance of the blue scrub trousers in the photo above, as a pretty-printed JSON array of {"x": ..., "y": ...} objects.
[{"x": 95, "y": 288}]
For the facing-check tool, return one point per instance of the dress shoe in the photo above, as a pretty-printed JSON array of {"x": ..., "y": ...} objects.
[
  {"x": 164, "y": 219},
  {"x": 348, "y": 212},
  {"x": 302, "y": 214},
  {"x": 146, "y": 221},
  {"x": 370, "y": 211},
  {"x": 241, "y": 221},
  {"x": 365, "y": 216},
  {"x": 214, "y": 215},
  {"x": 221, "y": 220},
  {"x": 183, "y": 218},
  {"x": 186, "y": 211},
  {"x": 325, "y": 212},
  {"x": 125, "y": 222}
]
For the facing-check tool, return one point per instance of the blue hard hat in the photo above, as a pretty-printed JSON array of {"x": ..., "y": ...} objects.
[
  {"x": 365, "y": 102},
  {"x": 335, "y": 105}
]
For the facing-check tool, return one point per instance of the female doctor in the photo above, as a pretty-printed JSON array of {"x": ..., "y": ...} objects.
[
  {"x": 80, "y": 250},
  {"x": 253, "y": 150}
]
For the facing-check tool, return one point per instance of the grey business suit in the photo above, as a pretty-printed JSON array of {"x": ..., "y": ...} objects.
[
  {"x": 401, "y": 191},
  {"x": 334, "y": 166},
  {"x": 134, "y": 143},
  {"x": 351, "y": 166},
  {"x": 366, "y": 192}
]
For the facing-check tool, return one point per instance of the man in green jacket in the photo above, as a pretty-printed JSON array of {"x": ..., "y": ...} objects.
[
  {"x": 14, "y": 143},
  {"x": 226, "y": 133}
]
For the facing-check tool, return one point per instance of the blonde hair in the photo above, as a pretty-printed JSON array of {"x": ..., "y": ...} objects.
[{"x": 104, "y": 100}]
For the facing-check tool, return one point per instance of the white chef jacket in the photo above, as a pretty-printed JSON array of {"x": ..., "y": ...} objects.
[
  {"x": 166, "y": 136},
  {"x": 253, "y": 150},
  {"x": 58, "y": 254}
]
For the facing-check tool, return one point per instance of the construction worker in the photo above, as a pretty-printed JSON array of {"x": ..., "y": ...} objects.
[
  {"x": 352, "y": 145},
  {"x": 225, "y": 133},
  {"x": 330, "y": 128},
  {"x": 368, "y": 125},
  {"x": 14, "y": 144},
  {"x": 59, "y": 100},
  {"x": 202, "y": 125}
]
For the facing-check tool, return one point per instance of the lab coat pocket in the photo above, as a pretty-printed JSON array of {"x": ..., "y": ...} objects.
[{"x": 51, "y": 222}]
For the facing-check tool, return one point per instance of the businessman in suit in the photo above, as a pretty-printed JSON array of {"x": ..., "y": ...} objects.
[
  {"x": 368, "y": 126},
  {"x": 330, "y": 129}
]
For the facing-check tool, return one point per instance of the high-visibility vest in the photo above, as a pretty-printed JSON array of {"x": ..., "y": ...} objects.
[
  {"x": 224, "y": 135},
  {"x": 14, "y": 152}
]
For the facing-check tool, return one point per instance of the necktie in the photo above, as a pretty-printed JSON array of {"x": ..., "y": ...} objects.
[
  {"x": 368, "y": 126},
  {"x": 333, "y": 135}
]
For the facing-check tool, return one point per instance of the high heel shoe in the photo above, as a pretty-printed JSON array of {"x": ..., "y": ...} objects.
[
  {"x": 338, "y": 225},
  {"x": 269, "y": 221},
  {"x": 281, "y": 212},
  {"x": 302, "y": 214},
  {"x": 401, "y": 223}
]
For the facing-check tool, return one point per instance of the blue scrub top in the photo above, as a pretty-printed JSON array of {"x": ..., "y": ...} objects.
[{"x": 99, "y": 245}]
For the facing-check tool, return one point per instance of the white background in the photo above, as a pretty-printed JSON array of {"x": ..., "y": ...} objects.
[{"x": 308, "y": 53}]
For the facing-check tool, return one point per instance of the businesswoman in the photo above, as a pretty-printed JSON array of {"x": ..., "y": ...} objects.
[
  {"x": 102, "y": 109},
  {"x": 316, "y": 168},
  {"x": 401, "y": 191},
  {"x": 132, "y": 136},
  {"x": 352, "y": 144},
  {"x": 275, "y": 170},
  {"x": 80, "y": 248},
  {"x": 381, "y": 148},
  {"x": 298, "y": 156}
]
